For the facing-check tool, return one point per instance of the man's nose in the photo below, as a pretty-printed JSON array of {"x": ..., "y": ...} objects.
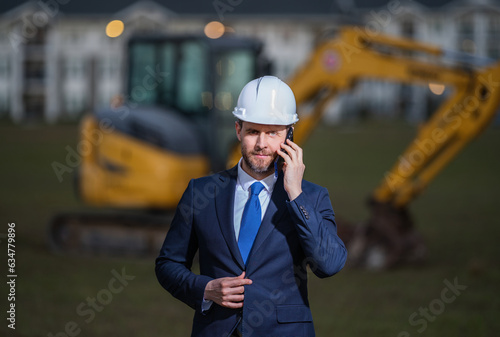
[{"x": 261, "y": 141}]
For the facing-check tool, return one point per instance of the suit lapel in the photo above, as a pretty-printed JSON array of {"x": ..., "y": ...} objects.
[
  {"x": 224, "y": 206},
  {"x": 274, "y": 212}
]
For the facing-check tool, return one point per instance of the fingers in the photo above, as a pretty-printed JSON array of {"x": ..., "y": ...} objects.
[
  {"x": 232, "y": 305},
  {"x": 228, "y": 291},
  {"x": 232, "y": 301},
  {"x": 235, "y": 281},
  {"x": 297, "y": 148},
  {"x": 293, "y": 168},
  {"x": 233, "y": 298},
  {"x": 230, "y": 283},
  {"x": 283, "y": 154},
  {"x": 292, "y": 144},
  {"x": 294, "y": 152},
  {"x": 232, "y": 289}
]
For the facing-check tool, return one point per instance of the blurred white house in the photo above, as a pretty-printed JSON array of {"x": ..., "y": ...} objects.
[{"x": 56, "y": 61}]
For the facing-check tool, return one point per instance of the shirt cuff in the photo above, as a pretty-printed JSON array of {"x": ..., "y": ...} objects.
[{"x": 206, "y": 305}]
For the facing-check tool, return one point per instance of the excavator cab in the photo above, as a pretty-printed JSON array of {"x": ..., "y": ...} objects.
[
  {"x": 173, "y": 124},
  {"x": 198, "y": 80}
]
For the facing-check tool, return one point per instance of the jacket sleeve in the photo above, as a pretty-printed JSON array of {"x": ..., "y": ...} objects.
[
  {"x": 315, "y": 224},
  {"x": 173, "y": 265}
]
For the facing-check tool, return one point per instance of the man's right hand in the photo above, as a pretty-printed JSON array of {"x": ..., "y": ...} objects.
[{"x": 227, "y": 291}]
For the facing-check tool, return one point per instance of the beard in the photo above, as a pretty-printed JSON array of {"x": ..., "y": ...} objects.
[{"x": 258, "y": 165}]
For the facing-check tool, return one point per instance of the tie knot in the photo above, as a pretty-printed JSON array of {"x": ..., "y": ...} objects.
[{"x": 256, "y": 188}]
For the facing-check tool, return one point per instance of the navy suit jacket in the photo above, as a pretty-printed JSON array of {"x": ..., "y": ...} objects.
[{"x": 292, "y": 235}]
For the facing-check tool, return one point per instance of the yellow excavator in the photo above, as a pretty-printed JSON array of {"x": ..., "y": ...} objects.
[
  {"x": 388, "y": 238},
  {"x": 174, "y": 124},
  {"x": 147, "y": 153}
]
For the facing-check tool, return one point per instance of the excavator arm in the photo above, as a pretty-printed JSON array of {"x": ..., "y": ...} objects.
[{"x": 388, "y": 237}]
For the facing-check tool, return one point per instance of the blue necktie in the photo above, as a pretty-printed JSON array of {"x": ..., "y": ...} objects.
[{"x": 250, "y": 221}]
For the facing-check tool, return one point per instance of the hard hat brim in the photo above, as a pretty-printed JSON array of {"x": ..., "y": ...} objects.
[{"x": 273, "y": 118}]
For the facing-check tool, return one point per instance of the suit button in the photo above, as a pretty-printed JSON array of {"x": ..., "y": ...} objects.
[{"x": 304, "y": 211}]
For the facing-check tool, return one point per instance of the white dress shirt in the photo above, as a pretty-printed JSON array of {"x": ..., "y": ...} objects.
[{"x": 241, "y": 196}]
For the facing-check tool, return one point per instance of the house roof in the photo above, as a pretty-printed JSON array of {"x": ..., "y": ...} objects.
[{"x": 209, "y": 7}]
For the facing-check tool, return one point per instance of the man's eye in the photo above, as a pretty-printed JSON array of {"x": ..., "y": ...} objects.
[{"x": 272, "y": 134}]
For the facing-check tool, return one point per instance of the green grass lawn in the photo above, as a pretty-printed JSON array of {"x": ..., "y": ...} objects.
[{"x": 457, "y": 215}]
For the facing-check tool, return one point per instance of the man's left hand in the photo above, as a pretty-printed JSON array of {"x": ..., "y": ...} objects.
[{"x": 293, "y": 168}]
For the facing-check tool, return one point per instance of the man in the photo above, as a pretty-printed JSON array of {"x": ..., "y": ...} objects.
[{"x": 256, "y": 231}]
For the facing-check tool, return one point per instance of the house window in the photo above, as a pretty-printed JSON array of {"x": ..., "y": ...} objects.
[
  {"x": 438, "y": 26},
  {"x": 4, "y": 68},
  {"x": 74, "y": 68},
  {"x": 466, "y": 26},
  {"x": 34, "y": 70},
  {"x": 4, "y": 102},
  {"x": 494, "y": 25},
  {"x": 74, "y": 36},
  {"x": 408, "y": 28},
  {"x": 468, "y": 46},
  {"x": 493, "y": 49},
  {"x": 108, "y": 67},
  {"x": 74, "y": 104},
  {"x": 466, "y": 34}
]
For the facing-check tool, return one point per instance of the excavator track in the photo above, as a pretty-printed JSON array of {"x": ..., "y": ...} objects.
[{"x": 109, "y": 234}]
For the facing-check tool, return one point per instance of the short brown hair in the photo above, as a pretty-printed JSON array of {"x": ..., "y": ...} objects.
[{"x": 240, "y": 122}]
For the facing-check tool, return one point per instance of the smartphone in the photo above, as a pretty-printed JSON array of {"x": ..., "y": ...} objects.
[{"x": 278, "y": 163}]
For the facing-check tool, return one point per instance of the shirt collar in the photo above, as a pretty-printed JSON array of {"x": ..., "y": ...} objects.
[{"x": 245, "y": 180}]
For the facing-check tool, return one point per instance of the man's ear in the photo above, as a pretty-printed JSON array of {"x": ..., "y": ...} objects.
[{"x": 237, "y": 126}]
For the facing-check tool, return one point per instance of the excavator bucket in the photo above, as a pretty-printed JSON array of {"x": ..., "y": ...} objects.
[{"x": 387, "y": 239}]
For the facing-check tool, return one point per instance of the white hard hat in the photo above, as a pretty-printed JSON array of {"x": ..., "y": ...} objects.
[{"x": 266, "y": 100}]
